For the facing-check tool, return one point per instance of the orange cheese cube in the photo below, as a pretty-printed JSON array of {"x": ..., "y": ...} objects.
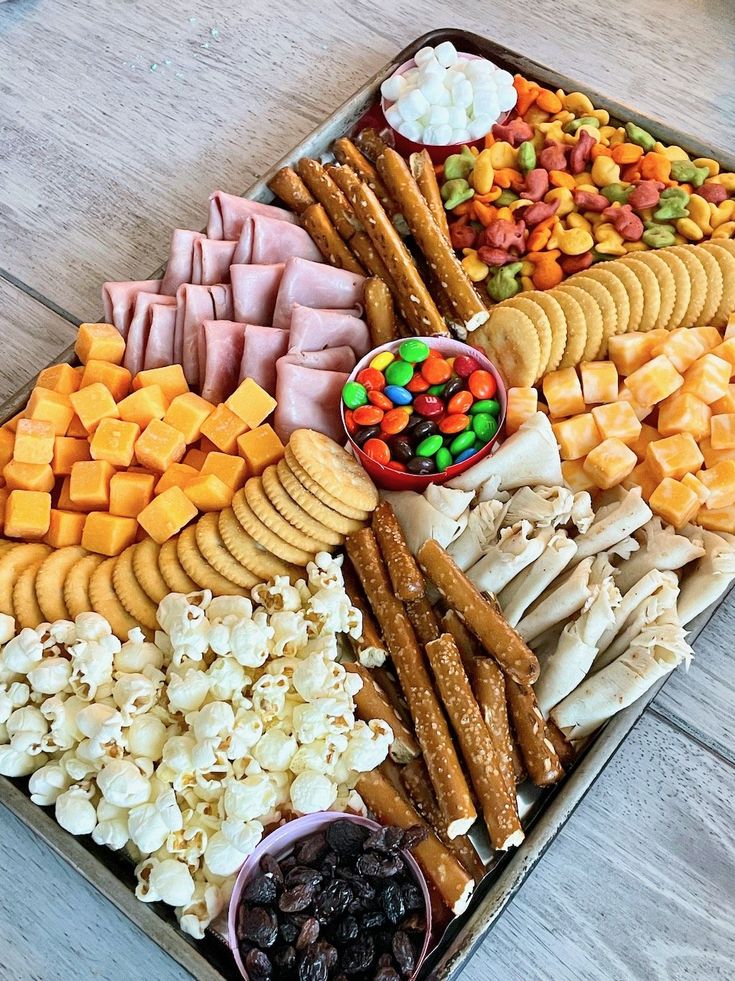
[
  {"x": 641, "y": 411},
  {"x": 7, "y": 444},
  {"x": 177, "y": 475},
  {"x": 54, "y": 407},
  {"x": 722, "y": 432},
  {"x": 67, "y": 452},
  {"x": 108, "y": 534},
  {"x": 143, "y": 406},
  {"x": 222, "y": 429},
  {"x": 89, "y": 485},
  {"x": 12, "y": 423},
  {"x": 628, "y": 352},
  {"x": 654, "y": 381},
  {"x": 718, "y": 519},
  {"x": 726, "y": 403},
  {"x": 684, "y": 413},
  {"x": 730, "y": 327},
  {"x": 207, "y": 446},
  {"x": 34, "y": 441},
  {"x": 696, "y": 485},
  {"x": 674, "y": 456},
  {"x": 64, "y": 501},
  {"x": 65, "y": 528},
  {"x": 4, "y": 495},
  {"x": 642, "y": 477},
  {"x": 231, "y": 470},
  {"x": 195, "y": 458},
  {"x": 709, "y": 336},
  {"x": 720, "y": 482},
  {"x": 76, "y": 429},
  {"x": 260, "y": 448},
  {"x": 618, "y": 420},
  {"x": 114, "y": 440},
  {"x": 92, "y": 405},
  {"x": 114, "y": 377},
  {"x": 130, "y": 492},
  {"x": 28, "y": 476},
  {"x": 159, "y": 446},
  {"x": 27, "y": 514},
  {"x": 576, "y": 436},
  {"x": 167, "y": 514},
  {"x": 681, "y": 347},
  {"x": 59, "y": 378},
  {"x": 609, "y": 463},
  {"x": 708, "y": 378},
  {"x": 726, "y": 351},
  {"x": 187, "y": 413},
  {"x": 648, "y": 434},
  {"x": 712, "y": 456},
  {"x": 576, "y": 477},
  {"x": 520, "y": 405},
  {"x": 563, "y": 393},
  {"x": 674, "y": 502},
  {"x": 599, "y": 382},
  {"x": 208, "y": 493},
  {"x": 101, "y": 342},
  {"x": 170, "y": 379},
  {"x": 251, "y": 403}
]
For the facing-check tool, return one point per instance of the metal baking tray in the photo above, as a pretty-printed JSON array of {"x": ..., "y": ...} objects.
[{"x": 112, "y": 874}]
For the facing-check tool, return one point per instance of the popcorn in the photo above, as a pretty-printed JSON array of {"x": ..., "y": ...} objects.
[
  {"x": 26, "y": 728},
  {"x": 269, "y": 696},
  {"x": 187, "y": 690},
  {"x": 246, "y": 731},
  {"x": 311, "y": 792},
  {"x": 275, "y": 750},
  {"x": 212, "y": 721},
  {"x": 137, "y": 693},
  {"x": 229, "y": 847},
  {"x": 278, "y": 596},
  {"x": 147, "y": 736},
  {"x": 170, "y": 881},
  {"x": 368, "y": 745},
  {"x": 223, "y": 607},
  {"x": 314, "y": 677},
  {"x": 122, "y": 783},
  {"x": 23, "y": 651},
  {"x": 321, "y": 755},
  {"x": 102, "y": 724},
  {"x": 62, "y": 713},
  {"x": 250, "y": 640},
  {"x": 149, "y": 825},
  {"x": 47, "y": 783},
  {"x": 290, "y": 632},
  {"x": 7, "y": 628},
  {"x": 75, "y": 812},
  {"x": 249, "y": 798},
  {"x": 204, "y": 906},
  {"x": 226, "y": 676},
  {"x": 13, "y": 696},
  {"x": 50, "y": 675},
  {"x": 137, "y": 653},
  {"x": 92, "y": 666},
  {"x": 91, "y": 627},
  {"x": 112, "y": 826},
  {"x": 15, "y": 763}
]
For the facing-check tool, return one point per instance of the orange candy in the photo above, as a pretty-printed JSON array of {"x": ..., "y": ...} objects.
[
  {"x": 455, "y": 423},
  {"x": 394, "y": 421},
  {"x": 377, "y": 450},
  {"x": 436, "y": 371},
  {"x": 368, "y": 415},
  {"x": 380, "y": 400},
  {"x": 461, "y": 402}
]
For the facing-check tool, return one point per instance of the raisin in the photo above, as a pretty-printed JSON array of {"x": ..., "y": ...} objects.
[
  {"x": 391, "y": 900},
  {"x": 302, "y": 874},
  {"x": 296, "y": 899},
  {"x": 314, "y": 967},
  {"x": 372, "y": 919},
  {"x": 386, "y": 973},
  {"x": 270, "y": 866},
  {"x": 333, "y": 901},
  {"x": 404, "y": 953},
  {"x": 346, "y": 837},
  {"x": 260, "y": 890},
  {"x": 413, "y": 898},
  {"x": 413, "y": 836},
  {"x": 258, "y": 965},
  {"x": 363, "y": 890},
  {"x": 259, "y": 925},
  {"x": 385, "y": 840},
  {"x": 379, "y": 868},
  {"x": 346, "y": 929},
  {"x": 358, "y": 956},
  {"x": 312, "y": 849},
  {"x": 329, "y": 951},
  {"x": 416, "y": 922},
  {"x": 329, "y": 864},
  {"x": 285, "y": 960},
  {"x": 289, "y": 931},
  {"x": 309, "y": 933}
]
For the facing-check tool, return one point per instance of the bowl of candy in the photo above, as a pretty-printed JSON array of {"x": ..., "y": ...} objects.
[
  {"x": 331, "y": 893},
  {"x": 422, "y": 410},
  {"x": 444, "y": 99}
]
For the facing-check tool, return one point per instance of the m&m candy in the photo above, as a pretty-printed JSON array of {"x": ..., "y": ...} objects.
[
  {"x": 354, "y": 395},
  {"x": 414, "y": 351},
  {"x": 399, "y": 373}
]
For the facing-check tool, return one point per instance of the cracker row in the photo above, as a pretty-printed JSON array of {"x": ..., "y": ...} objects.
[
  {"x": 379, "y": 312},
  {"x": 405, "y": 576},
  {"x": 531, "y": 732},
  {"x": 424, "y": 174},
  {"x": 320, "y": 183},
  {"x": 288, "y": 186},
  {"x": 317, "y": 223},
  {"x": 372, "y": 703}
]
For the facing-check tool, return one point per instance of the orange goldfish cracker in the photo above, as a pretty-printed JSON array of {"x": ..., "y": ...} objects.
[
  {"x": 59, "y": 378},
  {"x": 130, "y": 492},
  {"x": 722, "y": 431},
  {"x": 720, "y": 482},
  {"x": 521, "y": 405},
  {"x": 27, "y": 514},
  {"x": 577, "y": 436},
  {"x": 674, "y": 502},
  {"x": 617, "y": 419},
  {"x": 28, "y": 476},
  {"x": 167, "y": 514},
  {"x": 114, "y": 440},
  {"x": 170, "y": 379},
  {"x": 719, "y": 519},
  {"x": 232, "y": 470},
  {"x": 65, "y": 528},
  {"x": 114, "y": 377},
  {"x": 684, "y": 413},
  {"x": 177, "y": 475},
  {"x": 260, "y": 448},
  {"x": 641, "y": 476},
  {"x": 159, "y": 446},
  {"x": 655, "y": 167},
  {"x": 599, "y": 382},
  {"x": 34, "y": 441},
  {"x": 696, "y": 485},
  {"x": 103, "y": 342},
  {"x": 108, "y": 534},
  {"x": 548, "y": 101},
  {"x": 54, "y": 407},
  {"x": 654, "y": 381},
  {"x": 609, "y": 463},
  {"x": 576, "y": 477},
  {"x": 708, "y": 378},
  {"x": 547, "y": 272},
  {"x": 89, "y": 486},
  {"x": 563, "y": 393},
  {"x": 187, "y": 413},
  {"x": 674, "y": 456},
  {"x": 92, "y": 405},
  {"x": 560, "y": 178},
  {"x": 222, "y": 429},
  {"x": 527, "y": 94},
  {"x": 627, "y": 153}
]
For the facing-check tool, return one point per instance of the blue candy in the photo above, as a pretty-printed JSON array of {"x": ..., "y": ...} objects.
[
  {"x": 398, "y": 395},
  {"x": 466, "y": 454}
]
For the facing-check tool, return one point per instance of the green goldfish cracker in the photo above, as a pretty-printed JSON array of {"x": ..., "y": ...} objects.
[
  {"x": 455, "y": 192},
  {"x": 459, "y": 165},
  {"x": 687, "y": 173},
  {"x": 672, "y": 204},
  {"x": 638, "y": 135},
  {"x": 503, "y": 283},
  {"x": 526, "y": 157}
]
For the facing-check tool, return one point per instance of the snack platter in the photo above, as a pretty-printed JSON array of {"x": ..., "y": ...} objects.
[{"x": 542, "y": 809}]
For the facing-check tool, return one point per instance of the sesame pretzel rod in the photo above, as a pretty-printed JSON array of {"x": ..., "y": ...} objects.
[
  {"x": 431, "y": 727},
  {"x": 316, "y": 222},
  {"x": 406, "y": 578},
  {"x": 422, "y": 170},
  {"x": 371, "y": 143},
  {"x": 392, "y": 691},
  {"x": 288, "y": 186},
  {"x": 438, "y": 863},
  {"x": 423, "y": 619},
  {"x": 417, "y": 785},
  {"x": 347, "y": 153},
  {"x": 497, "y": 799},
  {"x": 369, "y": 643},
  {"x": 564, "y": 748},
  {"x": 539, "y": 755},
  {"x": 372, "y": 703},
  {"x": 330, "y": 197},
  {"x": 432, "y": 241},
  {"x": 379, "y": 312},
  {"x": 482, "y": 616}
]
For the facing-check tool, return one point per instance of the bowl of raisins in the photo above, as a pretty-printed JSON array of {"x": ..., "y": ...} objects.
[{"x": 331, "y": 897}]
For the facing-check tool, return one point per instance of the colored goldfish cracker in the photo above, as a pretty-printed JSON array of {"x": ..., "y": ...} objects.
[
  {"x": 187, "y": 413},
  {"x": 159, "y": 445},
  {"x": 54, "y": 407},
  {"x": 68, "y": 450},
  {"x": 577, "y": 436},
  {"x": 547, "y": 272},
  {"x": 599, "y": 382},
  {"x": 720, "y": 482},
  {"x": 251, "y": 403},
  {"x": 167, "y": 514},
  {"x": 674, "y": 502},
  {"x": 92, "y": 405},
  {"x": 522, "y": 403},
  {"x": 143, "y": 406},
  {"x": 563, "y": 393},
  {"x": 27, "y": 514},
  {"x": 101, "y": 342},
  {"x": 65, "y": 528},
  {"x": 130, "y": 492},
  {"x": 674, "y": 456},
  {"x": 528, "y": 93},
  {"x": 34, "y": 441},
  {"x": 89, "y": 485},
  {"x": 108, "y": 534},
  {"x": 722, "y": 431},
  {"x": 222, "y": 429},
  {"x": 260, "y": 448},
  {"x": 177, "y": 475},
  {"x": 609, "y": 463},
  {"x": 627, "y": 153},
  {"x": 170, "y": 380},
  {"x": 618, "y": 420},
  {"x": 28, "y": 476},
  {"x": 231, "y": 470},
  {"x": 114, "y": 377},
  {"x": 684, "y": 413},
  {"x": 114, "y": 440},
  {"x": 560, "y": 178},
  {"x": 708, "y": 378},
  {"x": 654, "y": 381},
  {"x": 208, "y": 493},
  {"x": 59, "y": 378}
]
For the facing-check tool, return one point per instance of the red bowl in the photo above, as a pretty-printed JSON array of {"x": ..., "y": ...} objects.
[{"x": 390, "y": 479}]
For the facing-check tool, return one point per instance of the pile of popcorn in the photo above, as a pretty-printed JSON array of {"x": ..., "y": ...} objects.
[{"x": 184, "y": 750}]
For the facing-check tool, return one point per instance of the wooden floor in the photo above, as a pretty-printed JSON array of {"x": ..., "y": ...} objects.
[{"x": 116, "y": 121}]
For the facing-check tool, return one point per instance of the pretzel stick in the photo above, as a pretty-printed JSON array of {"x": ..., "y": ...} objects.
[
  {"x": 329, "y": 196},
  {"x": 372, "y": 704},
  {"x": 431, "y": 727},
  {"x": 369, "y": 646},
  {"x": 531, "y": 732},
  {"x": 423, "y": 619},
  {"x": 347, "y": 153},
  {"x": 317, "y": 223},
  {"x": 288, "y": 186},
  {"x": 392, "y": 691},
  {"x": 424, "y": 174},
  {"x": 371, "y": 143},
  {"x": 481, "y": 615},
  {"x": 431, "y": 240},
  {"x": 437, "y": 862},
  {"x": 364, "y": 250},
  {"x": 564, "y": 748},
  {"x": 379, "y": 312},
  {"x": 406, "y": 579},
  {"x": 497, "y": 798},
  {"x": 417, "y": 785}
]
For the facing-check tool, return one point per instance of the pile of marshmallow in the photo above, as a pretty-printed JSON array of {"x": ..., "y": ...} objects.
[
  {"x": 447, "y": 98},
  {"x": 184, "y": 751}
]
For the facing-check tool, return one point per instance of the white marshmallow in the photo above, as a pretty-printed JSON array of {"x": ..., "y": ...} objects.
[
  {"x": 478, "y": 69},
  {"x": 462, "y": 94},
  {"x": 486, "y": 105},
  {"x": 438, "y": 115},
  {"x": 393, "y": 87},
  {"x": 413, "y": 105},
  {"x": 459, "y": 136},
  {"x": 411, "y": 130},
  {"x": 423, "y": 56},
  {"x": 456, "y": 117},
  {"x": 504, "y": 78},
  {"x": 432, "y": 70},
  {"x": 432, "y": 89},
  {"x": 442, "y": 135},
  {"x": 479, "y": 126},
  {"x": 445, "y": 53},
  {"x": 411, "y": 78},
  {"x": 507, "y": 98}
]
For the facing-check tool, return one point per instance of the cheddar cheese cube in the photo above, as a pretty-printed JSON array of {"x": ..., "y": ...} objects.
[
  {"x": 89, "y": 485},
  {"x": 130, "y": 492},
  {"x": 709, "y": 336},
  {"x": 7, "y": 444},
  {"x": 34, "y": 441},
  {"x": 64, "y": 501},
  {"x": 195, "y": 458},
  {"x": 108, "y": 534},
  {"x": 231, "y": 470},
  {"x": 521, "y": 404},
  {"x": 65, "y": 528},
  {"x": 695, "y": 484},
  {"x": 187, "y": 413},
  {"x": 67, "y": 452},
  {"x": 54, "y": 407},
  {"x": 259, "y": 448},
  {"x": 708, "y": 378},
  {"x": 222, "y": 429},
  {"x": 143, "y": 406},
  {"x": 618, "y": 420},
  {"x": 641, "y": 411},
  {"x": 722, "y": 431},
  {"x": 563, "y": 393},
  {"x": 207, "y": 446},
  {"x": 208, "y": 493},
  {"x": 76, "y": 429},
  {"x": 654, "y": 381},
  {"x": 170, "y": 379},
  {"x": 12, "y": 423},
  {"x": 628, "y": 352},
  {"x": 648, "y": 434},
  {"x": 717, "y": 519},
  {"x": 4, "y": 495},
  {"x": 684, "y": 413},
  {"x": 599, "y": 382},
  {"x": 674, "y": 456},
  {"x": 114, "y": 377},
  {"x": 730, "y": 327},
  {"x": 93, "y": 404},
  {"x": 177, "y": 475},
  {"x": 27, "y": 514},
  {"x": 114, "y": 440},
  {"x": 576, "y": 477},
  {"x": 159, "y": 446},
  {"x": 720, "y": 482},
  {"x": 28, "y": 476},
  {"x": 576, "y": 436},
  {"x": 726, "y": 351},
  {"x": 642, "y": 477},
  {"x": 59, "y": 378},
  {"x": 681, "y": 347},
  {"x": 712, "y": 456},
  {"x": 674, "y": 502},
  {"x": 609, "y": 463},
  {"x": 726, "y": 403},
  {"x": 167, "y": 514},
  {"x": 101, "y": 342},
  {"x": 251, "y": 403}
]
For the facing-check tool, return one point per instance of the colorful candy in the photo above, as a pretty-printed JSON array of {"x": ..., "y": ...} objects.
[{"x": 354, "y": 395}]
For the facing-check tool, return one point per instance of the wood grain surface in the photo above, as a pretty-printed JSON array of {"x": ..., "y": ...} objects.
[{"x": 116, "y": 121}]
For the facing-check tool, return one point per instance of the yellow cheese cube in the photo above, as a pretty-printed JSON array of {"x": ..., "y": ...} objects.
[
  {"x": 696, "y": 485},
  {"x": 712, "y": 456},
  {"x": 28, "y": 476},
  {"x": 102, "y": 342},
  {"x": 65, "y": 528},
  {"x": 93, "y": 404},
  {"x": 599, "y": 382},
  {"x": 674, "y": 502},
  {"x": 231, "y": 470},
  {"x": 222, "y": 429},
  {"x": 108, "y": 534},
  {"x": 726, "y": 403},
  {"x": 130, "y": 492},
  {"x": 628, "y": 352},
  {"x": 89, "y": 486},
  {"x": 617, "y": 419},
  {"x": 654, "y": 381},
  {"x": 187, "y": 413},
  {"x": 708, "y": 378},
  {"x": 259, "y": 448},
  {"x": 27, "y": 514},
  {"x": 684, "y": 413},
  {"x": 521, "y": 405},
  {"x": 674, "y": 456},
  {"x": 730, "y": 327},
  {"x": 576, "y": 436},
  {"x": 726, "y": 351},
  {"x": 67, "y": 452},
  {"x": 563, "y": 393},
  {"x": 610, "y": 463},
  {"x": 648, "y": 434},
  {"x": 195, "y": 458},
  {"x": 170, "y": 379},
  {"x": 576, "y": 477},
  {"x": 720, "y": 482},
  {"x": 64, "y": 501},
  {"x": 34, "y": 441},
  {"x": 642, "y": 477},
  {"x": 159, "y": 446},
  {"x": 59, "y": 378},
  {"x": 143, "y": 406},
  {"x": 719, "y": 519},
  {"x": 167, "y": 514},
  {"x": 681, "y": 347},
  {"x": 251, "y": 403},
  {"x": 54, "y": 407},
  {"x": 7, "y": 444},
  {"x": 709, "y": 336},
  {"x": 722, "y": 432},
  {"x": 177, "y": 475},
  {"x": 114, "y": 440},
  {"x": 114, "y": 377},
  {"x": 641, "y": 411},
  {"x": 209, "y": 493}
]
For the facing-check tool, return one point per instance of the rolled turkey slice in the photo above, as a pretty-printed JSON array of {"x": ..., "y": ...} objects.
[
  {"x": 322, "y": 375},
  {"x": 119, "y": 300},
  {"x": 262, "y": 348},
  {"x": 221, "y": 357},
  {"x": 159, "y": 349},
  {"x": 211, "y": 261},
  {"x": 227, "y": 212},
  {"x": 314, "y": 330},
  {"x": 137, "y": 339},
  {"x": 254, "y": 292},
  {"x": 314, "y": 284},
  {"x": 180, "y": 256}
]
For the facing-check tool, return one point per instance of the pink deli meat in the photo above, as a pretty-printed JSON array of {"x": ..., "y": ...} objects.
[
  {"x": 314, "y": 284},
  {"x": 262, "y": 348},
  {"x": 220, "y": 357},
  {"x": 254, "y": 292},
  {"x": 137, "y": 339},
  {"x": 159, "y": 349},
  {"x": 265, "y": 240},
  {"x": 314, "y": 330},
  {"x": 119, "y": 300},
  {"x": 227, "y": 213},
  {"x": 179, "y": 268},
  {"x": 320, "y": 374},
  {"x": 195, "y": 304},
  {"x": 212, "y": 261}
]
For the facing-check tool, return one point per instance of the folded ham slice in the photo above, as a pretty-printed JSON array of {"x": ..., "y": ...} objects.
[
  {"x": 179, "y": 268},
  {"x": 244, "y": 248},
  {"x": 159, "y": 349},
  {"x": 314, "y": 330},
  {"x": 211, "y": 261},
  {"x": 220, "y": 356},
  {"x": 254, "y": 292},
  {"x": 320, "y": 376},
  {"x": 314, "y": 284},
  {"x": 194, "y": 305},
  {"x": 137, "y": 339},
  {"x": 262, "y": 348},
  {"x": 227, "y": 212},
  {"x": 119, "y": 300}
]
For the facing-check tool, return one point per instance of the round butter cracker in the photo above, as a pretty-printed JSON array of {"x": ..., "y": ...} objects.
[
  {"x": 682, "y": 287},
  {"x": 264, "y": 564},
  {"x": 576, "y": 328},
  {"x": 511, "y": 342},
  {"x": 27, "y": 611},
  {"x": 51, "y": 578},
  {"x": 12, "y": 563},
  {"x": 197, "y": 567},
  {"x": 592, "y": 319},
  {"x": 258, "y": 500},
  {"x": 726, "y": 261},
  {"x": 215, "y": 552},
  {"x": 334, "y": 469},
  {"x": 264, "y": 536},
  {"x": 527, "y": 303},
  {"x": 666, "y": 284},
  {"x": 646, "y": 278},
  {"x": 104, "y": 600},
  {"x": 697, "y": 283},
  {"x": 715, "y": 285},
  {"x": 130, "y": 593},
  {"x": 606, "y": 302},
  {"x": 320, "y": 492},
  {"x": 295, "y": 515},
  {"x": 147, "y": 572},
  {"x": 76, "y": 586},
  {"x": 172, "y": 571},
  {"x": 313, "y": 506}
]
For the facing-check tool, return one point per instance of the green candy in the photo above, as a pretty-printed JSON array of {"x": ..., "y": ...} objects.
[
  {"x": 354, "y": 395},
  {"x": 456, "y": 191},
  {"x": 525, "y": 158},
  {"x": 640, "y": 136},
  {"x": 672, "y": 204},
  {"x": 574, "y": 125},
  {"x": 443, "y": 459},
  {"x": 485, "y": 405},
  {"x": 685, "y": 172},
  {"x": 399, "y": 373},
  {"x": 462, "y": 442},
  {"x": 435, "y": 389},
  {"x": 616, "y": 193},
  {"x": 484, "y": 426},
  {"x": 503, "y": 283},
  {"x": 459, "y": 165},
  {"x": 506, "y": 198},
  {"x": 658, "y": 236},
  {"x": 430, "y": 445},
  {"x": 414, "y": 351}
]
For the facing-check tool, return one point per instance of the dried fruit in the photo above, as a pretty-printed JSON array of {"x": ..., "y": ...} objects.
[
  {"x": 314, "y": 966},
  {"x": 380, "y": 868},
  {"x": 358, "y": 956},
  {"x": 260, "y": 926},
  {"x": 347, "y": 837},
  {"x": 296, "y": 899},
  {"x": 261, "y": 890},
  {"x": 346, "y": 929},
  {"x": 311, "y": 849},
  {"x": 391, "y": 900},
  {"x": 285, "y": 960},
  {"x": 258, "y": 965},
  {"x": 414, "y": 836},
  {"x": 413, "y": 898},
  {"x": 333, "y": 901},
  {"x": 385, "y": 840},
  {"x": 309, "y": 933},
  {"x": 404, "y": 953},
  {"x": 302, "y": 874},
  {"x": 270, "y": 866}
]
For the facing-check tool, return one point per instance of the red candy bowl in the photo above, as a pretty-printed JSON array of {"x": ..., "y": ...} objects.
[{"x": 391, "y": 479}]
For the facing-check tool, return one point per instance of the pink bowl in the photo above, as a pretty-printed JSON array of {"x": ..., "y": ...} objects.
[
  {"x": 280, "y": 844},
  {"x": 390, "y": 479}
]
